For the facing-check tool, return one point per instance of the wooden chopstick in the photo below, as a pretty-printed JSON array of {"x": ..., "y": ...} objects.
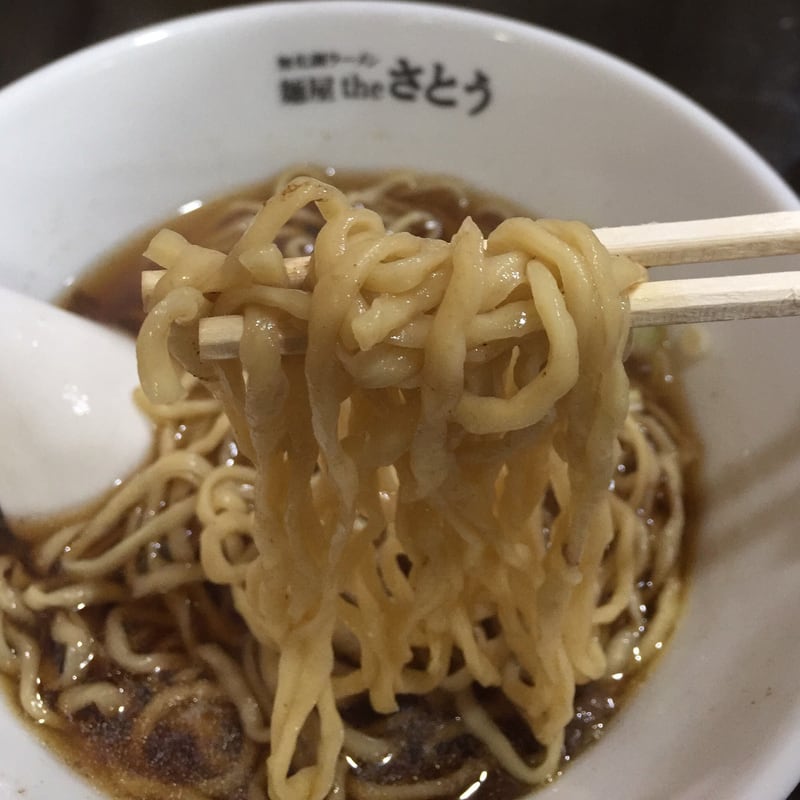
[
  {"x": 768, "y": 294},
  {"x": 773, "y": 294},
  {"x": 659, "y": 243},
  {"x": 701, "y": 240},
  {"x": 668, "y": 302}
]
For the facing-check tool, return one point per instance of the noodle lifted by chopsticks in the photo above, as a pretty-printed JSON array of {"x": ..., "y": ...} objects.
[{"x": 439, "y": 459}]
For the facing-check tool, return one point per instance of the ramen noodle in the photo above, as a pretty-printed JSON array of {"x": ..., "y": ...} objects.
[{"x": 433, "y": 528}]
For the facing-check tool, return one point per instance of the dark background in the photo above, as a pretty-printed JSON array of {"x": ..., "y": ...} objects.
[{"x": 738, "y": 58}]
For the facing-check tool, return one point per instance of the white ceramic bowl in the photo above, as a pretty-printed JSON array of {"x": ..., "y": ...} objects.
[{"x": 115, "y": 138}]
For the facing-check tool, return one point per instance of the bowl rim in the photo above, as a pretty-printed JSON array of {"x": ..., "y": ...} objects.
[{"x": 190, "y": 24}]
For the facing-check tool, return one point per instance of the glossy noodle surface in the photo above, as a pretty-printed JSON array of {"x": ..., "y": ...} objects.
[{"x": 441, "y": 588}]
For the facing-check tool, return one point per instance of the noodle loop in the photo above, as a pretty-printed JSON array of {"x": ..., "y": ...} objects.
[{"x": 445, "y": 504}]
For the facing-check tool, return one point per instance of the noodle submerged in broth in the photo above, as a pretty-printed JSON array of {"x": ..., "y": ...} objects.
[{"x": 423, "y": 560}]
